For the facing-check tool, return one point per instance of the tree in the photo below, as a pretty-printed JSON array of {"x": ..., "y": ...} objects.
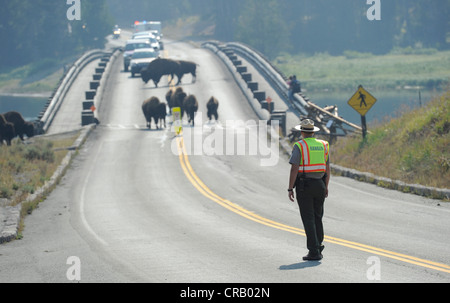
[
  {"x": 261, "y": 25},
  {"x": 33, "y": 30}
]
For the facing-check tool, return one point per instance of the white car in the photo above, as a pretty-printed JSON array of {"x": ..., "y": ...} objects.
[
  {"x": 141, "y": 59},
  {"x": 150, "y": 38},
  {"x": 153, "y": 33},
  {"x": 130, "y": 48}
]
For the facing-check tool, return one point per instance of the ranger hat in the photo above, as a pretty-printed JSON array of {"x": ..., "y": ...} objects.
[{"x": 307, "y": 126}]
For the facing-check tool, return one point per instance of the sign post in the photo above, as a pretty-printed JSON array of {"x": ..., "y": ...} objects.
[
  {"x": 362, "y": 101},
  {"x": 176, "y": 114}
]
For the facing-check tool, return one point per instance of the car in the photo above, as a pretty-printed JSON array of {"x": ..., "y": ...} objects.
[
  {"x": 130, "y": 47},
  {"x": 153, "y": 42},
  {"x": 146, "y": 33},
  {"x": 158, "y": 37},
  {"x": 141, "y": 59}
]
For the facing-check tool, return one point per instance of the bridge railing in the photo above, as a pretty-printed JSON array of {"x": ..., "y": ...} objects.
[
  {"x": 47, "y": 115},
  {"x": 326, "y": 118}
]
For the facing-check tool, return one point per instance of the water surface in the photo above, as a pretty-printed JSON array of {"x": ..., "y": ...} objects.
[
  {"x": 28, "y": 106},
  {"x": 389, "y": 103}
]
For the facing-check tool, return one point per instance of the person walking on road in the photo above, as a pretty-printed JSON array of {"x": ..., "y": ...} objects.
[{"x": 310, "y": 175}]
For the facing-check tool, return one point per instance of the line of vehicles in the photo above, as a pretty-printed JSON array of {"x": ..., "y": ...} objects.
[{"x": 144, "y": 46}]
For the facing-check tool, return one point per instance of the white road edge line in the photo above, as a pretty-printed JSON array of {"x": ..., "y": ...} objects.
[{"x": 82, "y": 202}]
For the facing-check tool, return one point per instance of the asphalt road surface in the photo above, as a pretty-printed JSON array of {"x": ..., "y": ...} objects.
[{"x": 134, "y": 208}]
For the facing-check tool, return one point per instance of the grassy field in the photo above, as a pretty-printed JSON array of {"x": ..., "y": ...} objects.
[
  {"x": 40, "y": 77},
  {"x": 428, "y": 69},
  {"x": 26, "y": 167},
  {"x": 413, "y": 148}
]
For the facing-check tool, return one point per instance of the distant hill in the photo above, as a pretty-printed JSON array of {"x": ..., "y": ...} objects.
[{"x": 414, "y": 148}]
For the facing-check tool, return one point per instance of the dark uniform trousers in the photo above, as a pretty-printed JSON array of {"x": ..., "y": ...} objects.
[{"x": 310, "y": 202}]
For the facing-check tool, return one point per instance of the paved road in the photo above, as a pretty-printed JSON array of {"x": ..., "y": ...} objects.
[{"x": 133, "y": 209}]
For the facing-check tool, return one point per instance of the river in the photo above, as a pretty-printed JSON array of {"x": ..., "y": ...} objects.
[
  {"x": 28, "y": 105},
  {"x": 388, "y": 104}
]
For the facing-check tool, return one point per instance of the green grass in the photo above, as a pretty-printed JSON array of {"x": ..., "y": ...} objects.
[
  {"x": 39, "y": 77},
  {"x": 413, "y": 148},
  {"x": 426, "y": 68},
  {"x": 26, "y": 167}
]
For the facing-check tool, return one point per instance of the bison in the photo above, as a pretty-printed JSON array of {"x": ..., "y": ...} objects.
[
  {"x": 7, "y": 131},
  {"x": 158, "y": 68},
  {"x": 186, "y": 67},
  {"x": 190, "y": 106},
  {"x": 169, "y": 98},
  {"x": 212, "y": 105},
  {"x": 177, "y": 98},
  {"x": 153, "y": 108},
  {"x": 21, "y": 127},
  {"x": 161, "y": 112}
]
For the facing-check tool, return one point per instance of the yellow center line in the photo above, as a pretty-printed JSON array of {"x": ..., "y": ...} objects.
[{"x": 205, "y": 191}]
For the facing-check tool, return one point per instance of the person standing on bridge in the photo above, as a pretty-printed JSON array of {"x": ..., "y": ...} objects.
[
  {"x": 294, "y": 87},
  {"x": 310, "y": 175}
]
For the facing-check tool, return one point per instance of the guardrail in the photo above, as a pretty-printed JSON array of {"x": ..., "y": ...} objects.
[
  {"x": 329, "y": 122},
  {"x": 47, "y": 115},
  {"x": 227, "y": 51},
  {"x": 240, "y": 78}
]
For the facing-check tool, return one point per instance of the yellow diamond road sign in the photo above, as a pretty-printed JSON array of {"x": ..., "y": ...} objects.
[{"x": 362, "y": 101}]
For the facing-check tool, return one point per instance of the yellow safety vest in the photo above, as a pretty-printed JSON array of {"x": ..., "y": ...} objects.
[{"x": 314, "y": 155}]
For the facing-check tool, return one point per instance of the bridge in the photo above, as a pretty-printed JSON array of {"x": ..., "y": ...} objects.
[{"x": 139, "y": 205}]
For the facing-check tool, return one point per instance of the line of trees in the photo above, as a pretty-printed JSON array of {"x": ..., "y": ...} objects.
[
  {"x": 307, "y": 26},
  {"x": 32, "y": 30}
]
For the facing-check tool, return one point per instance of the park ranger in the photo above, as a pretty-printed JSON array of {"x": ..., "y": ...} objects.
[{"x": 310, "y": 175}]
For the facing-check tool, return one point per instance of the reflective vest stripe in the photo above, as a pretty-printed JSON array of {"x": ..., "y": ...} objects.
[
  {"x": 305, "y": 151},
  {"x": 325, "y": 146},
  {"x": 317, "y": 163},
  {"x": 314, "y": 168}
]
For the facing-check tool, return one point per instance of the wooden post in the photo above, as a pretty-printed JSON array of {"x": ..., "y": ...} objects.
[{"x": 364, "y": 126}]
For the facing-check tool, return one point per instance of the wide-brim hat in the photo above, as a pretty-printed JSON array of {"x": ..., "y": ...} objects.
[{"x": 307, "y": 126}]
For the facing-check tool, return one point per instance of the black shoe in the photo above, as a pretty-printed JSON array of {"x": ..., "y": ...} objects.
[
  {"x": 321, "y": 248},
  {"x": 312, "y": 257}
]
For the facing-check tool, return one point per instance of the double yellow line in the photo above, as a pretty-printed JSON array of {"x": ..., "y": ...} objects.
[{"x": 205, "y": 191}]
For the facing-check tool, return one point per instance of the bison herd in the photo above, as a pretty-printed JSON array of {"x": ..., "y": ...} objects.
[
  {"x": 12, "y": 124},
  {"x": 164, "y": 67},
  {"x": 154, "y": 109}
]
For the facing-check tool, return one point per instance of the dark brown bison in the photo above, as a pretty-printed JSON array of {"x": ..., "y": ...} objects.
[
  {"x": 169, "y": 97},
  {"x": 158, "y": 68},
  {"x": 7, "y": 132},
  {"x": 177, "y": 98},
  {"x": 186, "y": 67},
  {"x": 21, "y": 127},
  {"x": 153, "y": 108},
  {"x": 161, "y": 112},
  {"x": 190, "y": 106},
  {"x": 212, "y": 106}
]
